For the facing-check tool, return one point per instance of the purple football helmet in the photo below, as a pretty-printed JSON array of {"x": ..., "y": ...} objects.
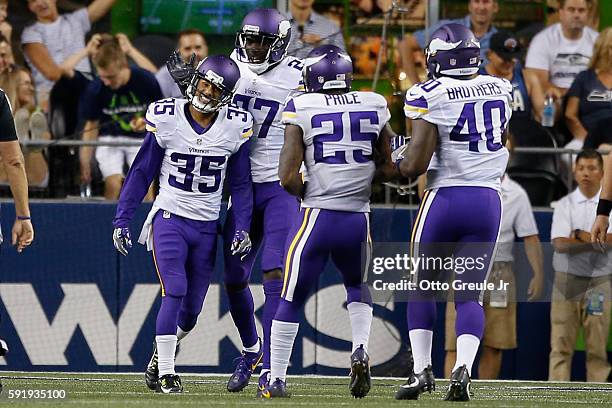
[
  {"x": 263, "y": 39},
  {"x": 220, "y": 71},
  {"x": 327, "y": 67},
  {"x": 453, "y": 51}
]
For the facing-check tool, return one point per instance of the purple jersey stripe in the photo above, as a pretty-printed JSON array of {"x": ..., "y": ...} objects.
[
  {"x": 420, "y": 102},
  {"x": 290, "y": 106}
]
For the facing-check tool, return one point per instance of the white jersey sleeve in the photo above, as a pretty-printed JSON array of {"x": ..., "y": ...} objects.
[
  {"x": 265, "y": 96},
  {"x": 471, "y": 116},
  {"x": 339, "y": 135},
  {"x": 160, "y": 119}
]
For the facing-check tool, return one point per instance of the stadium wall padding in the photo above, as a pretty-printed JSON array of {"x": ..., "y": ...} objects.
[{"x": 70, "y": 302}]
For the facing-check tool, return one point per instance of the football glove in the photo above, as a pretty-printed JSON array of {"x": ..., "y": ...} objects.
[
  {"x": 398, "y": 147},
  {"x": 241, "y": 244},
  {"x": 181, "y": 71},
  {"x": 122, "y": 240}
]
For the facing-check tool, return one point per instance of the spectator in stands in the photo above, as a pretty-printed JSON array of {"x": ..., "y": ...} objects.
[
  {"x": 7, "y": 60},
  {"x": 5, "y": 28},
  {"x": 589, "y": 103},
  {"x": 54, "y": 46},
  {"x": 30, "y": 123},
  {"x": 581, "y": 291},
  {"x": 191, "y": 41},
  {"x": 504, "y": 61},
  {"x": 500, "y": 306},
  {"x": 113, "y": 107},
  {"x": 479, "y": 20},
  {"x": 310, "y": 29},
  {"x": 559, "y": 52}
]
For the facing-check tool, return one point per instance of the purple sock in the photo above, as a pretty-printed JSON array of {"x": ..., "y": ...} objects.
[
  {"x": 470, "y": 318},
  {"x": 421, "y": 315},
  {"x": 272, "y": 291},
  {"x": 167, "y": 315},
  {"x": 242, "y": 311}
]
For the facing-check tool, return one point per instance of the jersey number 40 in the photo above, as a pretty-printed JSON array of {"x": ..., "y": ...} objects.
[{"x": 492, "y": 131}]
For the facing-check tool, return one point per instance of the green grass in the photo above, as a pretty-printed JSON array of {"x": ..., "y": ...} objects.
[{"x": 128, "y": 390}]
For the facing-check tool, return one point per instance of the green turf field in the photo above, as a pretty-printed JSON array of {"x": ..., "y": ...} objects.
[{"x": 101, "y": 390}]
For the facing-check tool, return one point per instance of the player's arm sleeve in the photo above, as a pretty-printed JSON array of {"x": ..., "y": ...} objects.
[
  {"x": 7, "y": 124},
  {"x": 525, "y": 223},
  {"x": 152, "y": 122},
  {"x": 416, "y": 103},
  {"x": 290, "y": 116},
  {"x": 538, "y": 54},
  {"x": 241, "y": 188},
  {"x": 561, "y": 226},
  {"x": 143, "y": 171}
]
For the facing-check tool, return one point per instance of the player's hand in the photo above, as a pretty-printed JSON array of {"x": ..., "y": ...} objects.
[
  {"x": 22, "y": 234},
  {"x": 311, "y": 38},
  {"x": 398, "y": 148},
  {"x": 599, "y": 232},
  {"x": 536, "y": 288},
  {"x": 138, "y": 124},
  {"x": 179, "y": 70},
  {"x": 241, "y": 244},
  {"x": 122, "y": 240}
]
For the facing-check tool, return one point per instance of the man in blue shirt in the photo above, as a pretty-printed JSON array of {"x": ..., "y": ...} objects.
[
  {"x": 113, "y": 106},
  {"x": 479, "y": 20}
]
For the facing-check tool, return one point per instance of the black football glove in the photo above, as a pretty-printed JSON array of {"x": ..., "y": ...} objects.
[{"x": 181, "y": 71}]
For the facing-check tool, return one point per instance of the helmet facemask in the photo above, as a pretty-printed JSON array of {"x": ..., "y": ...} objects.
[
  {"x": 259, "y": 50},
  {"x": 215, "y": 100}
]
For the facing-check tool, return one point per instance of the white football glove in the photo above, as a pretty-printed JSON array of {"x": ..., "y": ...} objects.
[
  {"x": 398, "y": 147},
  {"x": 122, "y": 240},
  {"x": 241, "y": 244}
]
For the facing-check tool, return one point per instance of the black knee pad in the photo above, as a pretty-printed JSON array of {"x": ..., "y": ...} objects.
[
  {"x": 236, "y": 287},
  {"x": 274, "y": 274}
]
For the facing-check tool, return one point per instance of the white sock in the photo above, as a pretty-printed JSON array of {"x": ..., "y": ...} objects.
[
  {"x": 360, "y": 315},
  {"x": 467, "y": 347},
  {"x": 420, "y": 341},
  {"x": 181, "y": 334},
  {"x": 254, "y": 348},
  {"x": 166, "y": 346},
  {"x": 282, "y": 338}
]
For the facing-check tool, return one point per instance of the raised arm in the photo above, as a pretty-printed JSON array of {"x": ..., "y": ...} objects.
[
  {"x": 291, "y": 158},
  {"x": 98, "y": 9}
]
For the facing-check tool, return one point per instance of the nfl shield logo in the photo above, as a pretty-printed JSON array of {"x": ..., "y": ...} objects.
[
  {"x": 321, "y": 79},
  {"x": 199, "y": 141},
  {"x": 453, "y": 61}
]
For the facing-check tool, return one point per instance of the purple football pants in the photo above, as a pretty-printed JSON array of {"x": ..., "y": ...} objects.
[
  {"x": 184, "y": 254},
  {"x": 469, "y": 217},
  {"x": 316, "y": 235}
]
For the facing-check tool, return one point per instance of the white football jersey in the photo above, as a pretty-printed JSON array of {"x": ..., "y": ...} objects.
[
  {"x": 471, "y": 116},
  {"x": 340, "y": 132},
  {"x": 194, "y": 164},
  {"x": 265, "y": 96}
]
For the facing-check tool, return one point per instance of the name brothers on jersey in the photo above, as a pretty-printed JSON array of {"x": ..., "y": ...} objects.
[{"x": 468, "y": 92}]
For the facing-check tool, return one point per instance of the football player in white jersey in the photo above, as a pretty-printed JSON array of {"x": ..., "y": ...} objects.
[
  {"x": 335, "y": 193},
  {"x": 459, "y": 125},
  {"x": 268, "y": 78},
  {"x": 189, "y": 146}
]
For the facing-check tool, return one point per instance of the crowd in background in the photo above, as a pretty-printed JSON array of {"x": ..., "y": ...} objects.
[{"x": 567, "y": 67}]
